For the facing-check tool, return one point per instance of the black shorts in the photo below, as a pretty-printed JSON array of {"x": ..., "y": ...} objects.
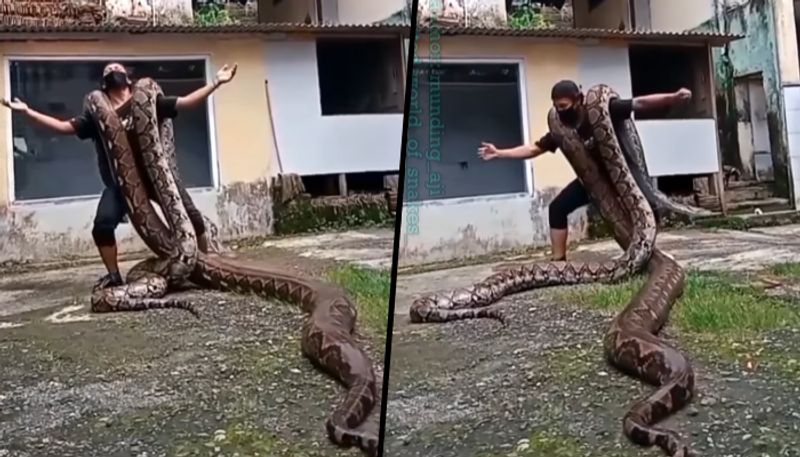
[
  {"x": 112, "y": 209},
  {"x": 568, "y": 200}
]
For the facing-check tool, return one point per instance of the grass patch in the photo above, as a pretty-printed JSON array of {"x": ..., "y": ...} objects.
[
  {"x": 237, "y": 440},
  {"x": 571, "y": 363},
  {"x": 546, "y": 443},
  {"x": 711, "y": 303},
  {"x": 786, "y": 270},
  {"x": 370, "y": 288}
]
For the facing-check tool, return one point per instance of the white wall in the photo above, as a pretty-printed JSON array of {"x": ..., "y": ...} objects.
[
  {"x": 170, "y": 11},
  {"x": 309, "y": 143},
  {"x": 791, "y": 96},
  {"x": 680, "y": 146},
  {"x": 605, "y": 65},
  {"x": 679, "y": 15},
  {"x": 442, "y": 230},
  {"x": 365, "y": 12}
]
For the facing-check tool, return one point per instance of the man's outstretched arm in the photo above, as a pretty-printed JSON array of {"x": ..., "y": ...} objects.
[
  {"x": 656, "y": 101},
  {"x": 48, "y": 122},
  {"x": 224, "y": 75}
]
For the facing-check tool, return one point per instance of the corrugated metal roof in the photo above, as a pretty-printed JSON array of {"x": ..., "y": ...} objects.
[
  {"x": 600, "y": 34},
  {"x": 139, "y": 28}
]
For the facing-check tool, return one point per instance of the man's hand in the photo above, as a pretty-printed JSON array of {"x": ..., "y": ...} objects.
[
  {"x": 226, "y": 73},
  {"x": 683, "y": 94},
  {"x": 16, "y": 105},
  {"x": 488, "y": 151}
]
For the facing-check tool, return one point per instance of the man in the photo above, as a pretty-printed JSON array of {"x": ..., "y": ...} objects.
[
  {"x": 112, "y": 209},
  {"x": 568, "y": 101}
]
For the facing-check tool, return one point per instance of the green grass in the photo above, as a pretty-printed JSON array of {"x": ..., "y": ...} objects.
[
  {"x": 712, "y": 303},
  {"x": 370, "y": 289},
  {"x": 238, "y": 440},
  {"x": 549, "y": 443},
  {"x": 786, "y": 270}
]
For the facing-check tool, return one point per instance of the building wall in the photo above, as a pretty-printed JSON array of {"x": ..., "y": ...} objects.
[
  {"x": 242, "y": 138},
  {"x": 755, "y": 53},
  {"x": 285, "y": 10},
  {"x": 362, "y": 142},
  {"x": 361, "y": 12},
  {"x": 610, "y": 14},
  {"x": 455, "y": 228},
  {"x": 678, "y": 15}
]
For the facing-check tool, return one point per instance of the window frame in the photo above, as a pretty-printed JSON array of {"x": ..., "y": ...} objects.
[
  {"x": 401, "y": 77},
  {"x": 9, "y": 140},
  {"x": 522, "y": 84}
]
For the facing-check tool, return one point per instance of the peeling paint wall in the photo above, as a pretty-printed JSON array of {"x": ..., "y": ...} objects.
[
  {"x": 241, "y": 206},
  {"x": 756, "y": 53}
]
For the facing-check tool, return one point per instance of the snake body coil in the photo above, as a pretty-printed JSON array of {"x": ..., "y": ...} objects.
[
  {"x": 614, "y": 176},
  {"x": 327, "y": 338}
]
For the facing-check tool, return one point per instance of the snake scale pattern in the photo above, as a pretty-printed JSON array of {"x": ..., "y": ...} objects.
[
  {"x": 608, "y": 173},
  {"x": 327, "y": 335}
]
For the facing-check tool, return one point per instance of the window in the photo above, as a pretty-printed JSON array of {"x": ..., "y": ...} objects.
[
  {"x": 51, "y": 165},
  {"x": 360, "y": 76},
  {"x": 456, "y": 107},
  {"x": 688, "y": 67}
]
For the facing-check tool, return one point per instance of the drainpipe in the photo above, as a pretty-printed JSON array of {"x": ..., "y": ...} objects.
[{"x": 780, "y": 44}]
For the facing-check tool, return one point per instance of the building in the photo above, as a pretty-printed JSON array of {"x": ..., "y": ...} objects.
[
  {"x": 493, "y": 84},
  {"x": 317, "y": 100},
  {"x": 758, "y": 79}
]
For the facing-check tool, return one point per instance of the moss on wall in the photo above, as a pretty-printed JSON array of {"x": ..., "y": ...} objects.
[{"x": 304, "y": 214}]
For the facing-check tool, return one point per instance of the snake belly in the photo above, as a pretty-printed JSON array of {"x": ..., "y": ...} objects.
[
  {"x": 631, "y": 342},
  {"x": 148, "y": 281},
  {"x": 327, "y": 335},
  {"x": 474, "y": 301}
]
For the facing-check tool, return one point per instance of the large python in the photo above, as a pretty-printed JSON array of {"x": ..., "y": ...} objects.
[
  {"x": 630, "y": 343},
  {"x": 148, "y": 281},
  {"x": 327, "y": 335}
]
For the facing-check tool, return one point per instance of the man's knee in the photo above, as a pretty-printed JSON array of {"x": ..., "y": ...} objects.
[
  {"x": 103, "y": 236},
  {"x": 558, "y": 216}
]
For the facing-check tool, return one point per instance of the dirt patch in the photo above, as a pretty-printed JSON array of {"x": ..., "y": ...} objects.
[
  {"x": 541, "y": 387},
  {"x": 161, "y": 383}
]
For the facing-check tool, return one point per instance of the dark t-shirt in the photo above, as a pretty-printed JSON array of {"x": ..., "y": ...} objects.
[
  {"x": 85, "y": 128},
  {"x": 619, "y": 110}
]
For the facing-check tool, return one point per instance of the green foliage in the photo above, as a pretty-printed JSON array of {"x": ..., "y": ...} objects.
[
  {"x": 528, "y": 16},
  {"x": 213, "y": 13},
  {"x": 303, "y": 216},
  {"x": 370, "y": 288}
]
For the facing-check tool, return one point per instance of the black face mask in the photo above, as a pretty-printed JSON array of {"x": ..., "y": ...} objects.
[
  {"x": 569, "y": 116},
  {"x": 115, "y": 80}
]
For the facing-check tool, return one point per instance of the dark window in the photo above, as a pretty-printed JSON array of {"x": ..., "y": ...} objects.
[
  {"x": 659, "y": 69},
  {"x": 594, "y": 4},
  {"x": 469, "y": 103},
  {"x": 360, "y": 76},
  {"x": 51, "y": 165}
]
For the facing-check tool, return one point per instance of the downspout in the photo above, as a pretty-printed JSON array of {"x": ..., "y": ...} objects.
[{"x": 782, "y": 100}]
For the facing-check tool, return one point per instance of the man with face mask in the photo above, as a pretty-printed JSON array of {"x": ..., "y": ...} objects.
[
  {"x": 112, "y": 209},
  {"x": 568, "y": 100}
]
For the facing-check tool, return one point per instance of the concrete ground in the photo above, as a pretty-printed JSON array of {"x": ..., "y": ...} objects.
[
  {"x": 162, "y": 383},
  {"x": 542, "y": 387}
]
